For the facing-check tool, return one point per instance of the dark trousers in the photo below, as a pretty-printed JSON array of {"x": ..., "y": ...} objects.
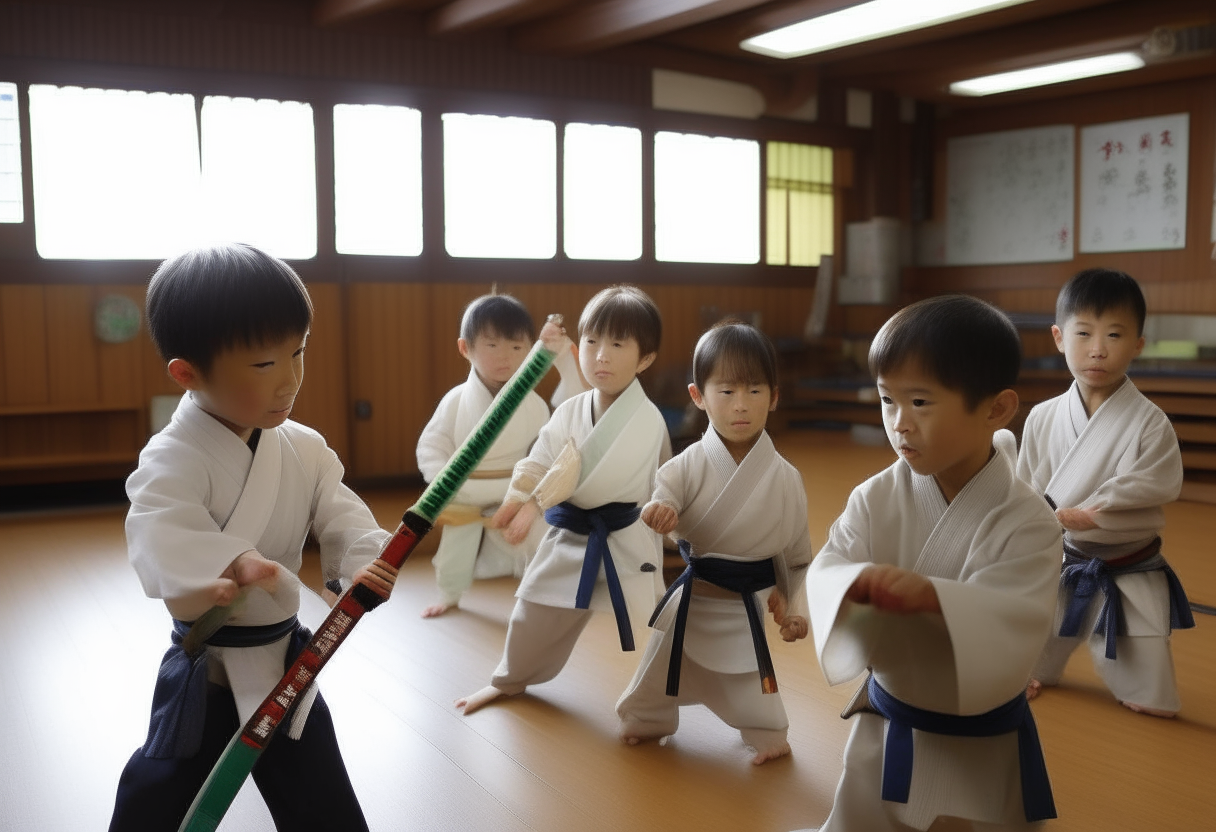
[{"x": 304, "y": 782}]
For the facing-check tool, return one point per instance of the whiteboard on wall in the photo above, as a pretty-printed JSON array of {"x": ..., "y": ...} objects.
[
  {"x": 1010, "y": 196},
  {"x": 1133, "y": 184}
]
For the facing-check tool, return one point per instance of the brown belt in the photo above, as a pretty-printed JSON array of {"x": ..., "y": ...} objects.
[
  {"x": 496, "y": 474},
  {"x": 1138, "y": 556}
]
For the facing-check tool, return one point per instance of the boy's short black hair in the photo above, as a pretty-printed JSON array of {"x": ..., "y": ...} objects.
[
  {"x": 966, "y": 344},
  {"x": 496, "y": 315},
  {"x": 624, "y": 311},
  {"x": 214, "y": 298},
  {"x": 1096, "y": 290},
  {"x": 737, "y": 352}
]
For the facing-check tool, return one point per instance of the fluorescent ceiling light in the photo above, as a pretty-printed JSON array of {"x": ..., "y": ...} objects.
[
  {"x": 1038, "y": 76},
  {"x": 868, "y": 21}
]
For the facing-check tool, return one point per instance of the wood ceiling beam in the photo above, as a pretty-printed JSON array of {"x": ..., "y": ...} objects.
[
  {"x": 462, "y": 16},
  {"x": 615, "y": 22},
  {"x": 331, "y": 12}
]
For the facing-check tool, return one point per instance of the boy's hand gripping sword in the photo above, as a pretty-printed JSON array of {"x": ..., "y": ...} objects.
[{"x": 246, "y": 747}]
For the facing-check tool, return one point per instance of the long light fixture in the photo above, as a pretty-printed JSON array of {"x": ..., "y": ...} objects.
[
  {"x": 867, "y": 21},
  {"x": 1039, "y": 76}
]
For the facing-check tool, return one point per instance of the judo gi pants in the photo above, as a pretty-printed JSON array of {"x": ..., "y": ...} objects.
[
  {"x": 471, "y": 551},
  {"x": 646, "y": 711},
  {"x": 1142, "y": 672},
  {"x": 858, "y": 805},
  {"x": 540, "y": 640},
  {"x": 304, "y": 782}
]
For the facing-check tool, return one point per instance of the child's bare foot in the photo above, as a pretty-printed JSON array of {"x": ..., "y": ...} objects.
[
  {"x": 435, "y": 610},
  {"x": 1033, "y": 688},
  {"x": 771, "y": 753},
  {"x": 479, "y": 700},
  {"x": 1145, "y": 709}
]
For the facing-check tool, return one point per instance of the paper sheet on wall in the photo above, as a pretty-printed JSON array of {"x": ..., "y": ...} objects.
[
  {"x": 1010, "y": 196},
  {"x": 1133, "y": 184}
]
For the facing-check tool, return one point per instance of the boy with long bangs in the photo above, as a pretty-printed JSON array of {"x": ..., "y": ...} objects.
[
  {"x": 939, "y": 578},
  {"x": 1109, "y": 459},
  {"x": 221, "y": 502},
  {"x": 591, "y": 466},
  {"x": 739, "y": 511},
  {"x": 496, "y": 332}
]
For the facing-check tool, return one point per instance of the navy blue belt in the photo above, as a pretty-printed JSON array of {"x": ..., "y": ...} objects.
[
  {"x": 179, "y": 698},
  {"x": 597, "y": 523},
  {"x": 744, "y": 577},
  {"x": 1084, "y": 576},
  {"x": 1014, "y": 715}
]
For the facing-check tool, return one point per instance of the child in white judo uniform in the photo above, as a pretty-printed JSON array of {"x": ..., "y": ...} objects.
[
  {"x": 591, "y": 467},
  {"x": 496, "y": 333},
  {"x": 738, "y": 511},
  {"x": 1108, "y": 458},
  {"x": 222, "y": 500},
  {"x": 939, "y": 577}
]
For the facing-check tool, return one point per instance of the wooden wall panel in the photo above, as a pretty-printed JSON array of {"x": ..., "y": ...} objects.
[
  {"x": 323, "y": 401},
  {"x": 23, "y": 340},
  {"x": 71, "y": 346},
  {"x": 119, "y": 366}
]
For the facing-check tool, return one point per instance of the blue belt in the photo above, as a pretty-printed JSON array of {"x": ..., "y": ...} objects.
[
  {"x": 744, "y": 577},
  {"x": 1014, "y": 715},
  {"x": 1084, "y": 576},
  {"x": 597, "y": 523},
  {"x": 179, "y": 698}
]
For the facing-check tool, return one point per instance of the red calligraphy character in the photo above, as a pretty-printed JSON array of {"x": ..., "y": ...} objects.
[
  {"x": 1166, "y": 139},
  {"x": 1146, "y": 141}
]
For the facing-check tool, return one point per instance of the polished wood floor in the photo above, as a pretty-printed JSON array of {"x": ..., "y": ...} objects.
[{"x": 79, "y": 647}]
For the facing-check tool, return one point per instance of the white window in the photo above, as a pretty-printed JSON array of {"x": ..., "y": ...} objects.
[
  {"x": 12, "y": 206},
  {"x": 115, "y": 172},
  {"x": 602, "y": 192},
  {"x": 259, "y": 174},
  {"x": 706, "y": 199},
  {"x": 377, "y": 180},
  {"x": 800, "y": 204},
  {"x": 499, "y": 186}
]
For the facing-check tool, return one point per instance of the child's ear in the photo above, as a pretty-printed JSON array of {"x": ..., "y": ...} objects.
[
  {"x": 1058, "y": 336},
  {"x": 696, "y": 396},
  {"x": 463, "y": 346},
  {"x": 646, "y": 361},
  {"x": 773, "y": 404},
  {"x": 1003, "y": 408},
  {"x": 185, "y": 374}
]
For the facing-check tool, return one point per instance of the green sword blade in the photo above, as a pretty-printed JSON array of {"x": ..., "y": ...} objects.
[{"x": 238, "y": 759}]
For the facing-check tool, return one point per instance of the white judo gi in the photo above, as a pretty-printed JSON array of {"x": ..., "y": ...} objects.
[
  {"x": 751, "y": 511},
  {"x": 471, "y": 550},
  {"x": 619, "y": 455},
  {"x": 1123, "y": 460},
  {"x": 993, "y": 556},
  {"x": 200, "y": 497}
]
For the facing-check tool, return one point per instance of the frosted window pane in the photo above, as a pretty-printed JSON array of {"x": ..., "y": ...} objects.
[
  {"x": 259, "y": 175},
  {"x": 377, "y": 180},
  {"x": 499, "y": 186},
  {"x": 706, "y": 199},
  {"x": 12, "y": 208},
  {"x": 115, "y": 172},
  {"x": 602, "y": 192}
]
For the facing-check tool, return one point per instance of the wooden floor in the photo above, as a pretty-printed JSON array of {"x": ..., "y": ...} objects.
[{"x": 80, "y": 647}]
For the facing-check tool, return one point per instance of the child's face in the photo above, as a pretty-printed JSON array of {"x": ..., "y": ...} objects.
[
  {"x": 610, "y": 364},
  {"x": 1099, "y": 348},
  {"x": 252, "y": 387},
  {"x": 494, "y": 357},
  {"x": 930, "y": 427},
  {"x": 737, "y": 411}
]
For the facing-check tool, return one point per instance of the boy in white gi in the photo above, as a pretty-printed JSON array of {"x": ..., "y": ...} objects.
[
  {"x": 939, "y": 577},
  {"x": 739, "y": 512},
  {"x": 496, "y": 333},
  {"x": 1109, "y": 459},
  {"x": 222, "y": 500},
  {"x": 591, "y": 466}
]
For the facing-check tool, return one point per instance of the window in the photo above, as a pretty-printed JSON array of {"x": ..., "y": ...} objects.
[
  {"x": 800, "y": 204},
  {"x": 602, "y": 192},
  {"x": 12, "y": 206},
  {"x": 499, "y": 186},
  {"x": 377, "y": 180},
  {"x": 115, "y": 172},
  {"x": 706, "y": 199},
  {"x": 259, "y": 174}
]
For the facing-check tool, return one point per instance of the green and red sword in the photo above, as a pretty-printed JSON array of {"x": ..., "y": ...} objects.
[{"x": 238, "y": 759}]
